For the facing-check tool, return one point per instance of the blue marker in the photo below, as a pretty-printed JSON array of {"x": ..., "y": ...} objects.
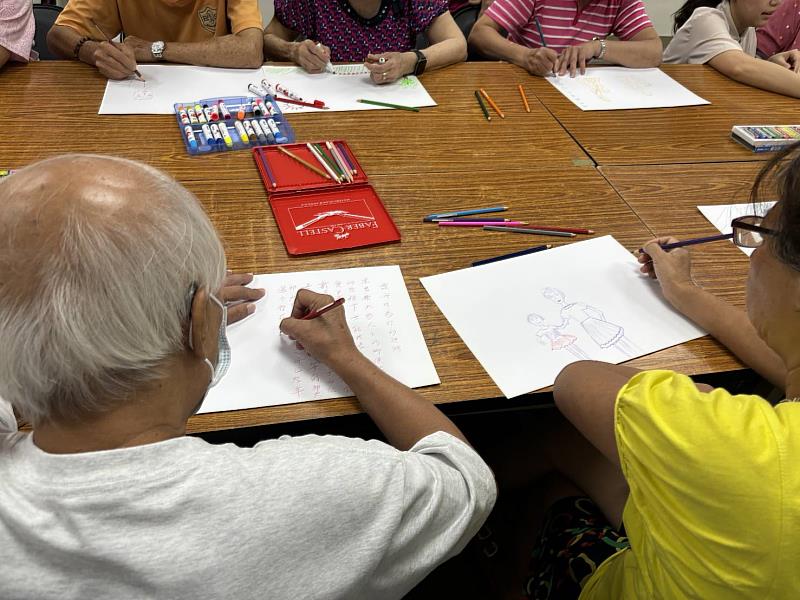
[
  {"x": 465, "y": 213},
  {"x": 190, "y": 137}
]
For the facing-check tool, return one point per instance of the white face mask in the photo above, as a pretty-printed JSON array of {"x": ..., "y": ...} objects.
[{"x": 224, "y": 353}]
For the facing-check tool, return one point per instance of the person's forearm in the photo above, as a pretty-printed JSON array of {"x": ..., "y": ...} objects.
[
  {"x": 732, "y": 328},
  {"x": 638, "y": 54},
  {"x": 232, "y": 51},
  {"x": 760, "y": 73},
  {"x": 446, "y": 52},
  {"x": 400, "y": 413},
  {"x": 62, "y": 40},
  {"x": 4, "y": 56},
  {"x": 491, "y": 44},
  {"x": 277, "y": 48}
]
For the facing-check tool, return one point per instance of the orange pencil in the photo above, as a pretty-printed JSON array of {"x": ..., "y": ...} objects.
[
  {"x": 524, "y": 99},
  {"x": 492, "y": 104},
  {"x": 302, "y": 162}
]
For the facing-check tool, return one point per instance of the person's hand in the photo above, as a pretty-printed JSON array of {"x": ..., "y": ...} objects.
[
  {"x": 240, "y": 298},
  {"x": 142, "y": 49},
  {"x": 575, "y": 57},
  {"x": 312, "y": 58},
  {"x": 390, "y": 66},
  {"x": 672, "y": 268},
  {"x": 327, "y": 338},
  {"x": 115, "y": 61},
  {"x": 539, "y": 61},
  {"x": 789, "y": 59}
]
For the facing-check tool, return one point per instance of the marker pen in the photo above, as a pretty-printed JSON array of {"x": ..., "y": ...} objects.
[
  {"x": 224, "y": 110},
  {"x": 201, "y": 116},
  {"x": 184, "y": 117},
  {"x": 214, "y": 113},
  {"x": 190, "y": 137},
  {"x": 260, "y": 134},
  {"x": 250, "y": 131},
  {"x": 265, "y": 128},
  {"x": 192, "y": 115},
  {"x": 207, "y": 112},
  {"x": 217, "y": 135},
  {"x": 223, "y": 130},
  {"x": 242, "y": 133},
  {"x": 273, "y": 127},
  {"x": 207, "y": 133}
]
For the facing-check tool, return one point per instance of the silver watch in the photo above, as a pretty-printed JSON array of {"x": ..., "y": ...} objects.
[
  {"x": 602, "y": 48},
  {"x": 157, "y": 50}
]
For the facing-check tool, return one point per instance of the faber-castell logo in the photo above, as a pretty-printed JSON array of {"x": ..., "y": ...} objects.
[{"x": 208, "y": 18}]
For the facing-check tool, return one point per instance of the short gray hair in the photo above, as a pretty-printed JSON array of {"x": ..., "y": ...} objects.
[{"x": 92, "y": 306}]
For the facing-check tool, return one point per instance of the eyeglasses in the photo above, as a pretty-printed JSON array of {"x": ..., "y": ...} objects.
[{"x": 748, "y": 232}]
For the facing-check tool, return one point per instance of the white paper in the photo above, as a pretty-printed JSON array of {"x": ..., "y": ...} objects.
[
  {"x": 268, "y": 369},
  {"x": 617, "y": 88},
  {"x": 526, "y": 318},
  {"x": 721, "y": 215},
  {"x": 166, "y": 85},
  {"x": 340, "y": 90}
]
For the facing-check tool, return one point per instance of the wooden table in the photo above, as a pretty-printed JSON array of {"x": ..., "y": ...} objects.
[
  {"x": 689, "y": 134},
  {"x": 443, "y": 157}
]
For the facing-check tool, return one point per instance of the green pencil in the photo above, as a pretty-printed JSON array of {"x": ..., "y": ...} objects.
[
  {"x": 387, "y": 105},
  {"x": 483, "y": 106},
  {"x": 328, "y": 160}
]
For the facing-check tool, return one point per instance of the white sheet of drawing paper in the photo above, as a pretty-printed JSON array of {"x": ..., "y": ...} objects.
[
  {"x": 165, "y": 85},
  {"x": 268, "y": 369},
  {"x": 721, "y": 216},
  {"x": 340, "y": 90},
  {"x": 526, "y": 318},
  {"x": 620, "y": 88}
]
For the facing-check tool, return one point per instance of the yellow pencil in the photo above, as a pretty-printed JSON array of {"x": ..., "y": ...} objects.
[
  {"x": 492, "y": 104},
  {"x": 524, "y": 99}
]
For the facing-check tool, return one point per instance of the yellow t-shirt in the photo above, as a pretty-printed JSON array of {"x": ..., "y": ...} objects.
[
  {"x": 154, "y": 20},
  {"x": 714, "y": 505}
]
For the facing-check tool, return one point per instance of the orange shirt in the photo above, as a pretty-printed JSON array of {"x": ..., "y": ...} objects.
[{"x": 154, "y": 20}]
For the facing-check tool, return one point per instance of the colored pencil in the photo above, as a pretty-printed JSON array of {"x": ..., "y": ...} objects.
[
  {"x": 483, "y": 106},
  {"x": 336, "y": 155},
  {"x": 270, "y": 175},
  {"x": 486, "y": 261},
  {"x": 539, "y": 28},
  {"x": 457, "y": 219},
  {"x": 306, "y": 164},
  {"x": 480, "y": 223},
  {"x": 316, "y": 104},
  {"x": 528, "y": 230},
  {"x": 334, "y": 167},
  {"x": 387, "y": 105},
  {"x": 321, "y": 311},
  {"x": 350, "y": 164},
  {"x": 565, "y": 229},
  {"x": 693, "y": 242},
  {"x": 492, "y": 104},
  {"x": 331, "y": 173},
  {"x": 524, "y": 98},
  {"x": 108, "y": 39},
  {"x": 465, "y": 213}
]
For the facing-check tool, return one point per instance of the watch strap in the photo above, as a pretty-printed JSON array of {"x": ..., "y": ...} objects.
[{"x": 422, "y": 62}]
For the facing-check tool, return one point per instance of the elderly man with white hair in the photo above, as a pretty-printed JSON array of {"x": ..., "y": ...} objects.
[{"x": 112, "y": 330}]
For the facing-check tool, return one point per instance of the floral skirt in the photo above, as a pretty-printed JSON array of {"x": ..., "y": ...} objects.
[{"x": 574, "y": 541}]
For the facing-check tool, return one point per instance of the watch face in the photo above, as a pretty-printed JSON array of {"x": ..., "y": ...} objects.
[{"x": 157, "y": 48}]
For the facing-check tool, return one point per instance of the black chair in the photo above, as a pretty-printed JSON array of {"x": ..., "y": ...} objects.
[
  {"x": 45, "y": 16},
  {"x": 465, "y": 18}
]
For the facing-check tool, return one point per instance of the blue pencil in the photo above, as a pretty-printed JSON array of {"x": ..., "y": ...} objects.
[
  {"x": 486, "y": 261},
  {"x": 693, "y": 241},
  {"x": 541, "y": 35},
  {"x": 271, "y": 177},
  {"x": 464, "y": 213}
]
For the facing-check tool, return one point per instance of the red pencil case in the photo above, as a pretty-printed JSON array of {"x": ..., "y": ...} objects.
[{"x": 315, "y": 214}]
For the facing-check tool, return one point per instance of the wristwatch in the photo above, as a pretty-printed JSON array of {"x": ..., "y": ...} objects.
[
  {"x": 157, "y": 50},
  {"x": 422, "y": 62},
  {"x": 602, "y": 48}
]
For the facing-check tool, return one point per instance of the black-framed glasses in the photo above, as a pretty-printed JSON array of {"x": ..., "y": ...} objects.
[{"x": 748, "y": 231}]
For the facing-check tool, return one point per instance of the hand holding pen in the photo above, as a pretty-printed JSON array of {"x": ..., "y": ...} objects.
[
  {"x": 114, "y": 60},
  {"x": 671, "y": 267},
  {"x": 318, "y": 324}
]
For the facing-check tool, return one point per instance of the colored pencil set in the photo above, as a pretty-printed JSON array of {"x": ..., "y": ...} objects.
[
  {"x": 331, "y": 157},
  {"x": 481, "y": 95},
  {"x": 473, "y": 218}
]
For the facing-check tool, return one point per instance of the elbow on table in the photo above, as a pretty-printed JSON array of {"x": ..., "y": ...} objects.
[
  {"x": 460, "y": 50},
  {"x": 253, "y": 58}
]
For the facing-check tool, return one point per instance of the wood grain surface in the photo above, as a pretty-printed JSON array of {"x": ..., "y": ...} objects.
[
  {"x": 442, "y": 158},
  {"x": 689, "y": 134}
]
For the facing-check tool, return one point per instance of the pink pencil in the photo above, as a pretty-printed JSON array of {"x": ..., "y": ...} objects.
[{"x": 480, "y": 223}]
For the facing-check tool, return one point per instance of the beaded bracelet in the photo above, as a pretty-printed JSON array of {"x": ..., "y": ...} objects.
[{"x": 79, "y": 45}]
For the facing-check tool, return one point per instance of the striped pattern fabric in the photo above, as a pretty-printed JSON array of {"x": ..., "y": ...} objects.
[{"x": 565, "y": 24}]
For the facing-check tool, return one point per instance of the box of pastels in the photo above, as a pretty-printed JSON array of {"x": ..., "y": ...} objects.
[{"x": 231, "y": 123}]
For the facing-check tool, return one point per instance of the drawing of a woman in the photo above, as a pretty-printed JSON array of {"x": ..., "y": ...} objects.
[
  {"x": 603, "y": 333},
  {"x": 552, "y": 335}
]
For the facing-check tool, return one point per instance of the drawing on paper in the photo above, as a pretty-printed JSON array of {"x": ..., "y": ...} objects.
[
  {"x": 637, "y": 85},
  {"x": 595, "y": 85},
  {"x": 355, "y": 69},
  {"x": 553, "y": 336},
  {"x": 593, "y": 322}
]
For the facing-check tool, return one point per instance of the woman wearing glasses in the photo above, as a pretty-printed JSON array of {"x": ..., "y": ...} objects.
[{"x": 694, "y": 491}]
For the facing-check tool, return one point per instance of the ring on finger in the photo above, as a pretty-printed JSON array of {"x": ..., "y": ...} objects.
[{"x": 384, "y": 75}]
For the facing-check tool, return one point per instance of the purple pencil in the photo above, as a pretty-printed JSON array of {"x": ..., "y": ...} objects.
[
  {"x": 346, "y": 158},
  {"x": 693, "y": 241},
  {"x": 480, "y": 223}
]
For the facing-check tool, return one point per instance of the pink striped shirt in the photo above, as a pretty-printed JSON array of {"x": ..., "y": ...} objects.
[{"x": 564, "y": 24}]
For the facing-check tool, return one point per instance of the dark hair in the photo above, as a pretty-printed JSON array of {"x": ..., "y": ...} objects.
[
  {"x": 782, "y": 175},
  {"x": 684, "y": 12}
]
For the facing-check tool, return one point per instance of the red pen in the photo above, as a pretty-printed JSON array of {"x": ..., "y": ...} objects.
[
  {"x": 316, "y": 313},
  {"x": 316, "y": 104}
]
